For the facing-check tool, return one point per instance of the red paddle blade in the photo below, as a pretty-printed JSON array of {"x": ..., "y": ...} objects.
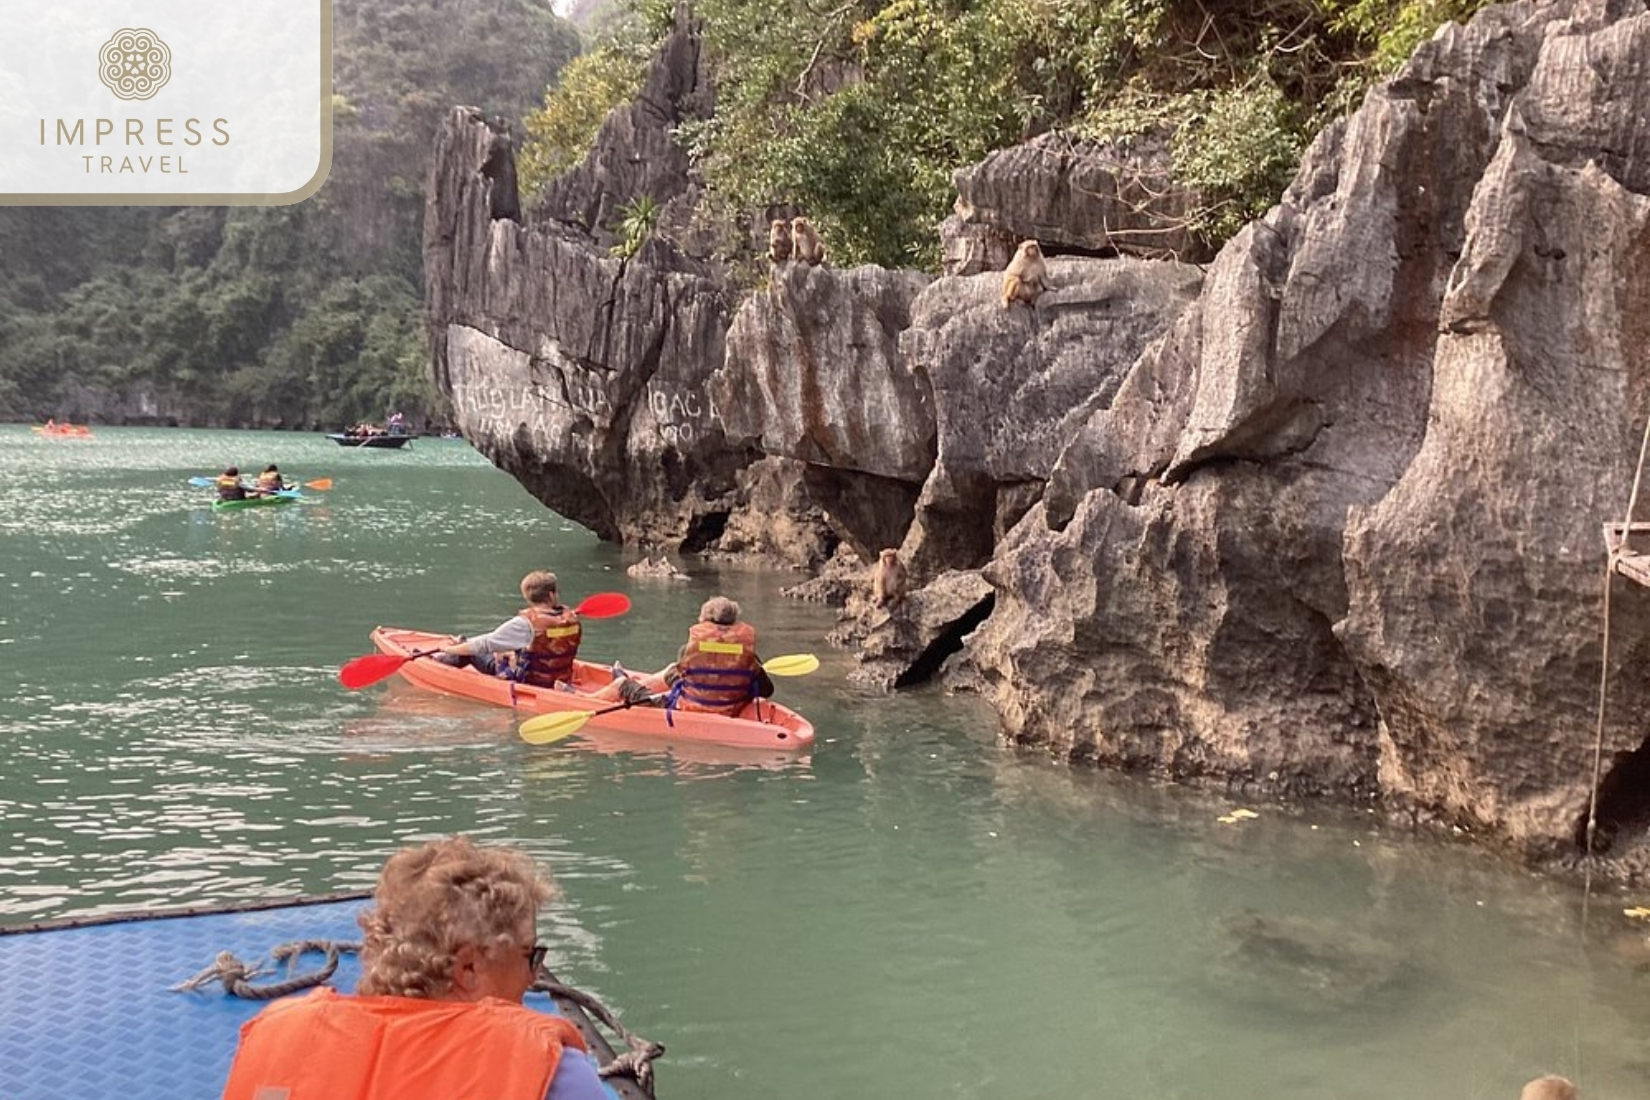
[
  {"x": 370, "y": 669},
  {"x": 603, "y": 605}
]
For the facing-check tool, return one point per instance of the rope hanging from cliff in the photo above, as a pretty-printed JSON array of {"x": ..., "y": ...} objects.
[{"x": 1604, "y": 656}]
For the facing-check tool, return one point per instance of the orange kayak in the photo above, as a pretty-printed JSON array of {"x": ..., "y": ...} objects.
[{"x": 762, "y": 724}]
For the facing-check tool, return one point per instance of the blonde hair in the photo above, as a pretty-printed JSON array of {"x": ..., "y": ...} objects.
[
  {"x": 719, "y": 610},
  {"x": 1550, "y": 1087},
  {"x": 538, "y": 586},
  {"x": 437, "y": 897}
]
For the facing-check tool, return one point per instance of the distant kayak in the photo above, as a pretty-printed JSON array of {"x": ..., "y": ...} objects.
[
  {"x": 63, "y": 431},
  {"x": 762, "y": 724},
  {"x": 254, "y": 502}
]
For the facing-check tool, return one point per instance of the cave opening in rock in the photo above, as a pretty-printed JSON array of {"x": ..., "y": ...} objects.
[
  {"x": 703, "y": 531},
  {"x": 949, "y": 641},
  {"x": 1623, "y": 801}
]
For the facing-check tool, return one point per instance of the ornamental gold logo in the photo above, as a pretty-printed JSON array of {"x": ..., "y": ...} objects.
[{"x": 134, "y": 63}]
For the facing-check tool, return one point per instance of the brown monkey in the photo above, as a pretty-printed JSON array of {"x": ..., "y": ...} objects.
[
  {"x": 779, "y": 241},
  {"x": 809, "y": 248},
  {"x": 1023, "y": 281},
  {"x": 888, "y": 580},
  {"x": 1550, "y": 1087}
]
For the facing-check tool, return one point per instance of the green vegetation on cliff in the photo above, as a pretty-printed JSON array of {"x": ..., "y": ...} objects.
[
  {"x": 859, "y": 112},
  {"x": 299, "y": 316}
]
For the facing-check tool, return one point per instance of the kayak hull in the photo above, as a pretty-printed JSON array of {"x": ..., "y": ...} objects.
[
  {"x": 87, "y": 1009},
  {"x": 251, "y": 502},
  {"x": 762, "y": 724}
]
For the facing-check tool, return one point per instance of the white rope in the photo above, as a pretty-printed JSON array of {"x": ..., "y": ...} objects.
[{"x": 1604, "y": 649}]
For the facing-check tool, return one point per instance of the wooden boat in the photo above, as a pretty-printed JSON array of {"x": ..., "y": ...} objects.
[
  {"x": 392, "y": 440},
  {"x": 762, "y": 724},
  {"x": 89, "y": 1006}
]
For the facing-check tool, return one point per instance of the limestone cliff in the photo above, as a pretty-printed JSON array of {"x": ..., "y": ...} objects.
[
  {"x": 1323, "y": 518},
  {"x": 1340, "y": 530}
]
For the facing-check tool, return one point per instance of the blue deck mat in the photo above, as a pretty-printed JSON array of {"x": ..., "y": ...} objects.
[{"x": 85, "y": 1011}]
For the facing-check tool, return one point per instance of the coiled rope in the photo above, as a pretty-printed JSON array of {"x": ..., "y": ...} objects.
[
  {"x": 236, "y": 976},
  {"x": 636, "y": 1062}
]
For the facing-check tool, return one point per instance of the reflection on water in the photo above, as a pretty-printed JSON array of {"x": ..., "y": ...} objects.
[{"x": 907, "y": 909}]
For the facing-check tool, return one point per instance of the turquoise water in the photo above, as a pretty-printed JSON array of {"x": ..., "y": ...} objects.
[{"x": 907, "y": 910}]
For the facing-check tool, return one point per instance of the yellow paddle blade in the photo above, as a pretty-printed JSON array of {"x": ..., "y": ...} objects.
[
  {"x": 547, "y": 729},
  {"x": 792, "y": 664}
]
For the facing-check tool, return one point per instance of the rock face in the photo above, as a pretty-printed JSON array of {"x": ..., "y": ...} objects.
[
  {"x": 1323, "y": 519},
  {"x": 1087, "y": 196},
  {"x": 1010, "y": 386},
  {"x": 1340, "y": 529}
]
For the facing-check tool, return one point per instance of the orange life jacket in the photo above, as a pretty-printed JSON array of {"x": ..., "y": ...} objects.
[
  {"x": 555, "y": 644},
  {"x": 717, "y": 668},
  {"x": 325, "y": 1044},
  {"x": 230, "y": 488},
  {"x": 270, "y": 481}
]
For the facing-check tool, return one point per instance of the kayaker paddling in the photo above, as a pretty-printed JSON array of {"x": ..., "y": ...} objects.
[
  {"x": 229, "y": 484},
  {"x": 537, "y": 646},
  {"x": 270, "y": 481},
  {"x": 717, "y": 670}
]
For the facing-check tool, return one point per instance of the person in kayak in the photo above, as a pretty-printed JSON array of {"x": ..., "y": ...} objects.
[
  {"x": 229, "y": 485},
  {"x": 717, "y": 670},
  {"x": 537, "y": 646},
  {"x": 270, "y": 481},
  {"x": 450, "y": 948}
]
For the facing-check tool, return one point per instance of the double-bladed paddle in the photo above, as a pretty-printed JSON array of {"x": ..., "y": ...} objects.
[
  {"x": 547, "y": 729},
  {"x": 321, "y": 483},
  {"x": 364, "y": 671}
]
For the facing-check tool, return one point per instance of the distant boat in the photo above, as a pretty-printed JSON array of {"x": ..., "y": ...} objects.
[
  {"x": 63, "y": 431},
  {"x": 371, "y": 439}
]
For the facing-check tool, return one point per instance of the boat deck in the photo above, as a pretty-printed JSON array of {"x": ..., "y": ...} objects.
[{"x": 86, "y": 1008}]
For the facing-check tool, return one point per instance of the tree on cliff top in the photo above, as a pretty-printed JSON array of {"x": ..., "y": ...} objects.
[{"x": 859, "y": 112}]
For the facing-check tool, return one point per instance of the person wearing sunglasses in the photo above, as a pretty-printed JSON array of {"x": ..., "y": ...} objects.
[{"x": 449, "y": 951}]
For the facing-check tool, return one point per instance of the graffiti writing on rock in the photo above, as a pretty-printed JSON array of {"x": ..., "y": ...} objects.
[{"x": 682, "y": 415}]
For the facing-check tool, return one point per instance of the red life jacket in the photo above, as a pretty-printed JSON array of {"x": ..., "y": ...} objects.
[
  {"x": 230, "y": 488},
  {"x": 717, "y": 668},
  {"x": 555, "y": 644},
  {"x": 325, "y": 1044}
]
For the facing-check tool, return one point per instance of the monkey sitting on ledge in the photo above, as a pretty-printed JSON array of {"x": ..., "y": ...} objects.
[
  {"x": 888, "y": 581},
  {"x": 1023, "y": 281},
  {"x": 809, "y": 248},
  {"x": 779, "y": 241}
]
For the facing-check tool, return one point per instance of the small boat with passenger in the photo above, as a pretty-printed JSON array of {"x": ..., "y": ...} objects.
[
  {"x": 370, "y": 435},
  {"x": 761, "y": 724},
  {"x": 148, "y": 1005}
]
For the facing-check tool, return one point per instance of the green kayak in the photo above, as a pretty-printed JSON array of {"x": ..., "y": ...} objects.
[{"x": 253, "y": 502}]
